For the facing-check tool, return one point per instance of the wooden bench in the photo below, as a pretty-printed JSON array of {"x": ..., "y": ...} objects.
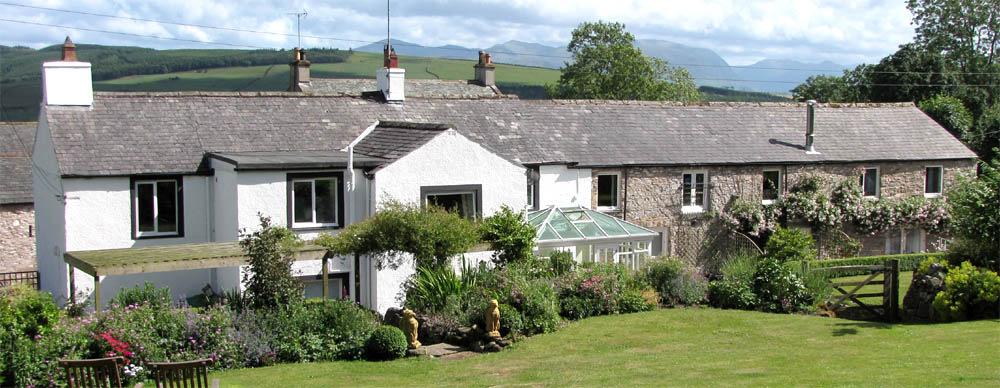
[
  {"x": 193, "y": 374},
  {"x": 93, "y": 373}
]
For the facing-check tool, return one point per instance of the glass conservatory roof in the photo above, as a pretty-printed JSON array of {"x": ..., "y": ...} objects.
[{"x": 580, "y": 223}]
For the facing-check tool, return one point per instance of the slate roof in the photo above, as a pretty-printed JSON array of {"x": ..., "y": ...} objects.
[
  {"x": 420, "y": 88},
  {"x": 290, "y": 160},
  {"x": 16, "y": 143},
  {"x": 392, "y": 140},
  {"x": 135, "y": 133}
]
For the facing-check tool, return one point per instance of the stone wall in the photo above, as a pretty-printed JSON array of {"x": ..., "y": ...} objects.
[
  {"x": 17, "y": 242},
  {"x": 651, "y": 196}
]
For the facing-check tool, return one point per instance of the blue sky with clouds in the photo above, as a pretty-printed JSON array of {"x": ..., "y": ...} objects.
[{"x": 742, "y": 32}]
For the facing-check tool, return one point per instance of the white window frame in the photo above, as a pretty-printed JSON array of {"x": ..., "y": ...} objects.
[
  {"x": 618, "y": 183},
  {"x": 336, "y": 200},
  {"x": 633, "y": 253},
  {"x": 475, "y": 190},
  {"x": 688, "y": 208},
  {"x": 940, "y": 182},
  {"x": 178, "y": 218},
  {"x": 901, "y": 233},
  {"x": 531, "y": 194},
  {"x": 770, "y": 201},
  {"x": 878, "y": 182}
]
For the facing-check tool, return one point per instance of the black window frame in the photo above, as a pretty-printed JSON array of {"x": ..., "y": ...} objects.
[
  {"x": 940, "y": 181},
  {"x": 133, "y": 202},
  {"x": 878, "y": 182},
  {"x": 477, "y": 189},
  {"x": 764, "y": 189},
  {"x": 616, "y": 193},
  {"x": 290, "y": 178}
]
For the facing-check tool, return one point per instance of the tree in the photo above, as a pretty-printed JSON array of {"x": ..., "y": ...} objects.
[
  {"x": 269, "y": 281},
  {"x": 975, "y": 206},
  {"x": 822, "y": 88},
  {"x": 606, "y": 65},
  {"x": 431, "y": 234},
  {"x": 984, "y": 138},
  {"x": 950, "y": 113},
  {"x": 966, "y": 31}
]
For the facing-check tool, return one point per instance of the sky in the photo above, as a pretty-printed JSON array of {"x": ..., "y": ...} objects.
[{"x": 847, "y": 32}]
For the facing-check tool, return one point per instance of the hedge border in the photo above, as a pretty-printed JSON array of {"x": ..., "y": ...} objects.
[{"x": 908, "y": 262}]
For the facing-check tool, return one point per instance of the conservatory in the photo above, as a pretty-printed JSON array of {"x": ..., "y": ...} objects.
[{"x": 591, "y": 236}]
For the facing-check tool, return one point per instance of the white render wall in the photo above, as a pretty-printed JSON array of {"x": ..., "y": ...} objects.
[
  {"x": 50, "y": 237},
  {"x": 389, "y": 282},
  {"x": 452, "y": 159},
  {"x": 559, "y": 185}
]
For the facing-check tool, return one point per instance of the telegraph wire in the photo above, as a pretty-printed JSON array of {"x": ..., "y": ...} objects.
[{"x": 446, "y": 48}]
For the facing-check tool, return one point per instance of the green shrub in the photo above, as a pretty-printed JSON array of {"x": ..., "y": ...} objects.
[
  {"x": 146, "y": 294},
  {"x": 269, "y": 281},
  {"x": 790, "y": 244},
  {"x": 969, "y": 293},
  {"x": 778, "y": 288},
  {"x": 925, "y": 266},
  {"x": 740, "y": 267},
  {"x": 731, "y": 294},
  {"x": 430, "y": 288},
  {"x": 525, "y": 286},
  {"x": 385, "y": 343},
  {"x": 511, "y": 320},
  {"x": 27, "y": 312},
  {"x": 632, "y": 301},
  {"x": 975, "y": 205},
  {"x": 510, "y": 236},
  {"x": 676, "y": 281},
  {"x": 561, "y": 262}
]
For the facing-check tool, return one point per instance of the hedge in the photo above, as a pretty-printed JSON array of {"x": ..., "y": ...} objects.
[{"x": 908, "y": 262}]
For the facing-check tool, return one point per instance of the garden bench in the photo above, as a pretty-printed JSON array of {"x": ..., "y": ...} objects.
[
  {"x": 193, "y": 374},
  {"x": 93, "y": 373}
]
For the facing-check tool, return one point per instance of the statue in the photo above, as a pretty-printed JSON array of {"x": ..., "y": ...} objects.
[
  {"x": 408, "y": 324},
  {"x": 493, "y": 319}
]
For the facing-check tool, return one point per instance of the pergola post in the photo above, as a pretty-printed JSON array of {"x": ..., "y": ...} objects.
[
  {"x": 326, "y": 279},
  {"x": 97, "y": 292},
  {"x": 72, "y": 284}
]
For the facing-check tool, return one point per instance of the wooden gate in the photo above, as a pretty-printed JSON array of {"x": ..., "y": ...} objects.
[{"x": 850, "y": 290}]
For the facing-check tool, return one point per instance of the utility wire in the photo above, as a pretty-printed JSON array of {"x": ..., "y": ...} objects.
[
  {"x": 270, "y": 48},
  {"x": 750, "y": 67}
]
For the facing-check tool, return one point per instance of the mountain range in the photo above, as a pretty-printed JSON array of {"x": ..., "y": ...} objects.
[{"x": 706, "y": 66}]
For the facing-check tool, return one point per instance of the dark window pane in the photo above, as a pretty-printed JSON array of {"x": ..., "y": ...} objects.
[
  {"x": 302, "y": 201},
  {"x": 699, "y": 190},
  {"x": 166, "y": 206},
  {"x": 531, "y": 195},
  {"x": 933, "y": 183},
  {"x": 144, "y": 207},
  {"x": 771, "y": 182},
  {"x": 871, "y": 182},
  {"x": 450, "y": 202},
  {"x": 686, "y": 191},
  {"x": 326, "y": 201},
  {"x": 607, "y": 190}
]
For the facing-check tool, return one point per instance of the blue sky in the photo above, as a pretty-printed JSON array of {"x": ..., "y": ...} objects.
[{"x": 742, "y": 32}]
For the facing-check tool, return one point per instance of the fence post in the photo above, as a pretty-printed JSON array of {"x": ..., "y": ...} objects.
[{"x": 892, "y": 310}]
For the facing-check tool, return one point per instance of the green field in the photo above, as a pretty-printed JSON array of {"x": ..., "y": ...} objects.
[{"x": 690, "y": 347}]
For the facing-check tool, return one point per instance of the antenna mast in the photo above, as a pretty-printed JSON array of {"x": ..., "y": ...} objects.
[
  {"x": 387, "y": 22},
  {"x": 298, "y": 24}
]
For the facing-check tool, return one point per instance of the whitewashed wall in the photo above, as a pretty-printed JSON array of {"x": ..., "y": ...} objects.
[
  {"x": 50, "y": 237},
  {"x": 562, "y": 186},
  {"x": 452, "y": 159},
  {"x": 388, "y": 288}
]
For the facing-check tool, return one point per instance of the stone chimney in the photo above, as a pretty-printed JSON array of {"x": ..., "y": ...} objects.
[
  {"x": 299, "y": 72},
  {"x": 485, "y": 70},
  {"x": 67, "y": 81},
  {"x": 390, "y": 78}
]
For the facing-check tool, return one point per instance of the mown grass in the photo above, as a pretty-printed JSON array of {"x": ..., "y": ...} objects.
[{"x": 694, "y": 347}]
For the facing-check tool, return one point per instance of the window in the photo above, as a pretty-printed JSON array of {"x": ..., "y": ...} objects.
[
  {"x": 607, "y": 191},
  {"x": 633, "y": 255},
  {"x": 933, "y": 181},
  {"x": 315, "y": 200},
  {"x": 531, "y": 195},
  {"x": 870, "y": 182},
  {"x": 466, "y": 200},
  {"x": 533, "y": 188},
  {"x": 771, "y": 186},
  {"x": 904, "y": 241},
  {"x": 693, "y": 192},
  {"x": 157, "y": 208}
]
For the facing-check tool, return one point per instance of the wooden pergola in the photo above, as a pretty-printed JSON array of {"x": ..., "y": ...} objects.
[{"x": 165, "y": 258}]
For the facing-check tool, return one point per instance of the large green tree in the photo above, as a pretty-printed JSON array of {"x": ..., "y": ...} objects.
[
  {"x": 967, "y": 31},
  {"x": 607, "y": 65}
]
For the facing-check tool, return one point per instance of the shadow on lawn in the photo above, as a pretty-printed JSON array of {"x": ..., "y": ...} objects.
[{"x": 851, "y": 327}]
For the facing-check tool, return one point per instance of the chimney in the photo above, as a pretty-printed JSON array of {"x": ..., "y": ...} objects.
[
  {"x": 485, "y": 70},
  {"x": 299, "y": 72},
  {"x": 390, "y": 77},
  {"x": 67, "y": 81},
  {"x": 810, "y": 126}
]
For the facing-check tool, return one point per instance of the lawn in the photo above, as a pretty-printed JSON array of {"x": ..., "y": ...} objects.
[{"x": 690, "y": 347}]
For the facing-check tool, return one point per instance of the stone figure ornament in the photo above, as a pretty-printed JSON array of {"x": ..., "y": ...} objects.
[
  {"x": 493, "y": 319},
  {"x": 408, "y": 324}
]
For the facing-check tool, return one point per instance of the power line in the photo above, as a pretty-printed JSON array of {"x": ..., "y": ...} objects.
[
  {"x": 131, "y": 34},
  {"x": 750, "y": 67}
]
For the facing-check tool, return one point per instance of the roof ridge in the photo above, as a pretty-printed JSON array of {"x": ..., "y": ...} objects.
[{"x": 733, "y": 104}]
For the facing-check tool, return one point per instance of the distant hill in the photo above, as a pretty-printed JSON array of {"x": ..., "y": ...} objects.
[
  {"x": 403, "y": 47},
  {"x": 781, "y": 76},
  {"x": 707, "y": 67},
  {"x": 529, "y": 54}
]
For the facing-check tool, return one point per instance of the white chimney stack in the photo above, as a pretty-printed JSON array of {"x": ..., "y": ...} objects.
[
  {"x": 390, "y": 77},
  {"x": 67, "y": 81}
]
